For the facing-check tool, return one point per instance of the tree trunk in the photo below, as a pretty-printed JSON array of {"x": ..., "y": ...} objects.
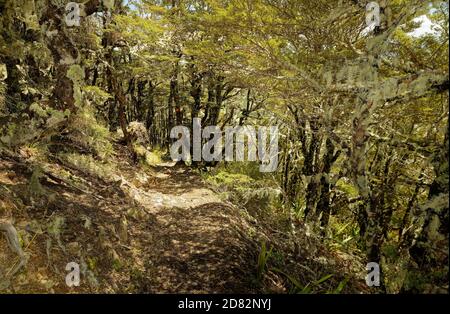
[{"x": 430, "y": 248}]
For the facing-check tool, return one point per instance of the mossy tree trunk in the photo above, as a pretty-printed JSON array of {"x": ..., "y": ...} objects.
[{"x": 430, "y": 248}]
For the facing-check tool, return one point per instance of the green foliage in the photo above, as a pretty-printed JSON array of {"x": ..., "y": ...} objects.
[
  {"x": 298, "y": 288},
  {"x": 362, "y": 114},
  {"x": 88, "y": 164},
  {"x": 87, "y": 131},
  {"x": 35, "y": 186},
  {"x": 149, "y": 158},
  {"x": 263, "y": 257},
  {"x": 340, "y": 287},
  {"x": 97, "y": 95},
  {"x": 229, "y": 179},
  {"x": 55, "y": 228},
  {"x": 342, "y": 234}
]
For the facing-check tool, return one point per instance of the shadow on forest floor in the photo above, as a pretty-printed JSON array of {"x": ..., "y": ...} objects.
[{"x": 142, "y": 230}]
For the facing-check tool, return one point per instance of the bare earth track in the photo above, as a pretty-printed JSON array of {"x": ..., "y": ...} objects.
[
  {"x": 162, "y": 231},
  {"x": 141, "y": 230},
  {"x": 200, "y": 245}
]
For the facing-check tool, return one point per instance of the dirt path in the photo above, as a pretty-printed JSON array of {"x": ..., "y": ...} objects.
[
  {"x": 139, "y": 231},
  {"x": 196, "y": 242},
  {"x": 145, "y": 230}
]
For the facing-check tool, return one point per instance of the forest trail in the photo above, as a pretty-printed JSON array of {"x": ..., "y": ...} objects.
[
  {"x": 162, "y": 231},
  {"x": 319, "y": 131},
  {"x": 141, "y": 229},
  {"x": 199, "y": 243}
]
